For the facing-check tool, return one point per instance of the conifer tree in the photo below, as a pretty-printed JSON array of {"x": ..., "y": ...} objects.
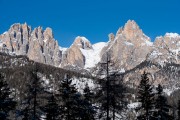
[
  {"x": 70, "y": 100},
  {"x": 52, "y": 108},
  {"x": 88, "y": 109},
  {"x": 161, "y": 106},
  {"x": 146, "y": 98},
  {"x": 6, "y": 101},
  {"x": 73, "y": 105},
  {"x": 179, "y": 110},
  {"x": 25, "y": 113},
  {"x": 88, "y": 95},
  {"x": 30, "y": 106},
  {"x": 116, "y": 96}
]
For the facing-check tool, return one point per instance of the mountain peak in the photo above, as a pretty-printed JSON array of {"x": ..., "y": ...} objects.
[
  {"x": 15, "y": 26},
  {"x": 132, "y": 31},
  {"x": 48, "y": 34},
  {"x": 82, "y": 42},
  {"x": 131, "y": 24}
]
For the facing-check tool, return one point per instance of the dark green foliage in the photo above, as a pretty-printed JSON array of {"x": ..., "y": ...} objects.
[
  {"x": 51, "y": 109},
  {"x": 146, "y": 98},
  {"x": 6, "y": 102},
  {"x": 70, "y": 100},
  {"x": 22, "y": 76},
  {"x": 179, "y": 110},
  {"x": 31, "y": 106},
  {"x": 88, "y": 94},
  {"x": 26, "y": 114},
  {"x": 88, "y": 108},
  {"x": 73, "y": 105},
  {"x": 116, "y": 96},
  {"x": 161, "y": 107}
]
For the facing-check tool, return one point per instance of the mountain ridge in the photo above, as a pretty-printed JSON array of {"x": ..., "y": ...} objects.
[
  {"x": 129, "y": 43},
  {"x": 130, "y": 51}
]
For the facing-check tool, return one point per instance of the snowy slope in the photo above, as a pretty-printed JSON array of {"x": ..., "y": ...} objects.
[
  {"x": 63, "y": 49},
  {"x": 80, "y": 84},
  {"x": 92, "y": 56}
]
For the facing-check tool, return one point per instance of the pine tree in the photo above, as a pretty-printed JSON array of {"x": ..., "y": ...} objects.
[
  {"x": 179, "y": 110},
  {"x": 116, "y": 98},
  {"x": 101, "y": 100},
  {"x": 161, "y": 106},
  {"x": 88, "y": 109},
  {"x": 26, "y": 113},
  {"x": 70, "y": 100},
  {"x": 52, "y": 108},
  {"x": 6, "y": 102},
  {"x": 30, "y": 106},
  {"x": 146, "y": 98},
  {"x": 88, "y": 95}
]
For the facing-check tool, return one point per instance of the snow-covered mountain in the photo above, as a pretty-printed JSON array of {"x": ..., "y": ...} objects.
[
  {"x": 93, "y": 55},
  {"x": 128, "y": 49}
]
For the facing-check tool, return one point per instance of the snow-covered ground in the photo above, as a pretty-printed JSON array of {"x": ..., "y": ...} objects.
[
  {"x": 170, "y": 91},
  {"x": 133, "y": 105},
  {"x": 63, "y": 49},
  {"x": 92, "y": 56},
  {"x": 80, "y": 83}
]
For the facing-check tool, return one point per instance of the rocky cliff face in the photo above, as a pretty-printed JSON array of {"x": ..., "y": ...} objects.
[
  {"x": 126, "y": 49},
  {"x": 73, "y": 55},
  {"x": 38, "y": 44},
  {"x": 130, "y": 51},
  {"x": 129, "y": 47},
  {"x": 166, "y": 49}
]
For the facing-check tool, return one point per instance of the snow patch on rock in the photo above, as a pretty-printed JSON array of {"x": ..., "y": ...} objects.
[
  {"x": 170, "y": 91},
  {"x": 133, "y": 105},
  {"x": 148, "y": 43},
  {"x": 92, "y": 56},
  {"x": 84, "y": 39},
  {"x": 128, "y": 43},
  {"x": 80, "y": 83},
  {"x": 122, "y": 70},
  {"x": 172, "y": 35},
  {"x": 63, "y": 49}
]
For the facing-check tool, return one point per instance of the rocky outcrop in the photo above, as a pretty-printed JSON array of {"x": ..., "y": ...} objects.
[
  {"x": 39, "y": 45},
  {"x": 166, "y": 49},
  {"x": 73, "y": 55},
  {"x": 130, "y": 51},
  {"x": 16, "y": 39},
  {"x": 126, "y": 49},
  {"x": 82, "y": 42},
  {"x": 111, "y": 37},
  {"x": 129, "y": 47}
]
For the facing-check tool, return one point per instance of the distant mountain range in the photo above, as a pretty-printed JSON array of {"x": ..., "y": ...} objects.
[{"x": 130, "y": 52}]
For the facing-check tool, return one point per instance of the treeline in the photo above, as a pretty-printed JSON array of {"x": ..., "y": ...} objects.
[
  {"x": 153, "y": 104},
  {"x": 63, "y": 101},
  {"x": 41, "y": 102}
]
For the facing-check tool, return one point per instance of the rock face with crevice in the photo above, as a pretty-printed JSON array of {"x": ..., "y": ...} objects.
[
  {"x": 126, "y": 49},
  {"x": 130, "y": 51},
  {"x": 166, "y": 49},
  {"x": 129, "y": 47},
  {"x": 38, "y": 44},
  {"x": 73, "y": 55}
]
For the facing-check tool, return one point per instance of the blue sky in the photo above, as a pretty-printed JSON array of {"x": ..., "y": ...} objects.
[{"x": 94, "y": 19}]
